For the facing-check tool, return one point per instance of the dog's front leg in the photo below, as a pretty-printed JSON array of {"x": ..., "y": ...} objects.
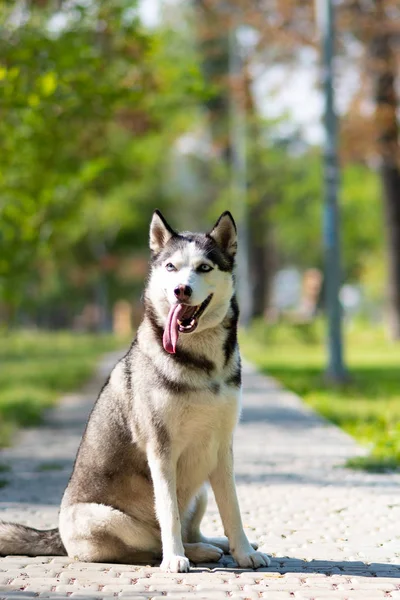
[
  {"x": 223, "y": 483},
  {"x": 163, "y": 473}
]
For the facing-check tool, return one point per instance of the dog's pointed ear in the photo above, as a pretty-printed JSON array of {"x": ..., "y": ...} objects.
[
  {"x": 160, "y": 232},
  {"x": 224, "y": 233}
]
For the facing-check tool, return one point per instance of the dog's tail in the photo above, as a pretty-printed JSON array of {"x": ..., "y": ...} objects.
[{"x": 22, "y": 540}]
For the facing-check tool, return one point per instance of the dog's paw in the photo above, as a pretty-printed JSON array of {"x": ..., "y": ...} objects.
[
  {"x": 223, "y": 543},
  {"x": 253, "y": 560},
  {"x": 175, "y": 564},
  {"x": 220, "y": 542},
  {"x": 201, "y": 552}
]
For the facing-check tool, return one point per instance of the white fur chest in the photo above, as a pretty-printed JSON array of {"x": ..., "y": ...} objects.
[{"x": 200, "y": 424}]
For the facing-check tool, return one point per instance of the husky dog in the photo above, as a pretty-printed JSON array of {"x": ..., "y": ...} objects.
[{"x": 163, "y": 423}]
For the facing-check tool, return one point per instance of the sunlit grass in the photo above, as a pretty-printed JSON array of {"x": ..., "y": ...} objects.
[
  {"x": 367, "y": 407},
  {"x": 37, "y": 367}
]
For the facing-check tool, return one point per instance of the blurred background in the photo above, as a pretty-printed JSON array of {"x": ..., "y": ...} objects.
[{"x": 111, "y": 108}]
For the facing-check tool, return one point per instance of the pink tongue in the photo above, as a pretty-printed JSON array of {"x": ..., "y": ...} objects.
[{"x": 171, "y": 332}]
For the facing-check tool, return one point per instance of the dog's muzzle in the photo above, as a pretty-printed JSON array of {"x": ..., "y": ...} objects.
[{"x": 182, "y": 318}]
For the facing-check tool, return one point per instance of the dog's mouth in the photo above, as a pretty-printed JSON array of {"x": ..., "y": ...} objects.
[{"x": 182, "y": 318}]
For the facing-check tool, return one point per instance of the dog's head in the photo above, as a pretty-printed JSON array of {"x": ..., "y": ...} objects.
[{"x": 191, "y": 277}]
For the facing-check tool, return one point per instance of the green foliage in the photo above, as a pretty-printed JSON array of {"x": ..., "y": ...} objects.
[
  {"x": 296, "y": 205},
  {"x": 90, "y": 109},
  {"x": 362, "y": 219},
  {"x": 37, "y": 368},
  {"x": 368, "y": 407},
  {"x": 289, "y": 188}
]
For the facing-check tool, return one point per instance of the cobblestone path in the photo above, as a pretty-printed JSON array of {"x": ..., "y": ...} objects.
[{"x": 332, "y": 532}]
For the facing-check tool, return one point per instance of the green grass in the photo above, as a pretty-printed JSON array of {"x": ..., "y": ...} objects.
[
  {"x": 36, "y": 368},
  {"x": 367, "y": 407},
  {"x": 51, "y": 466}
]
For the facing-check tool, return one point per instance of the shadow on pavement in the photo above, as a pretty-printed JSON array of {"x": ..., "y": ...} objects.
[
  {"x": 355, "y": 480},
  {"x": 283, "y": 565},
  {"x": 281, "y": 416}
]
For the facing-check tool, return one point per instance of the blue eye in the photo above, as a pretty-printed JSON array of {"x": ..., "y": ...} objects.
[
  {"x": 204, "y": 268},
  {"x": 170, "y": 267}
]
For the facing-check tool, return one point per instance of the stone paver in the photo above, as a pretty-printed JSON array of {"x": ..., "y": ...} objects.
[{"x": 332, "y": 532}]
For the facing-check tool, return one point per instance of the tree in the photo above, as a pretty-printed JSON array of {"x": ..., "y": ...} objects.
[
  {"x": 89, "y": 111},
  {"x": 374, "y": 137},
  {"x": 216, "y": 34},
  {"x": 383, "y": 73}
]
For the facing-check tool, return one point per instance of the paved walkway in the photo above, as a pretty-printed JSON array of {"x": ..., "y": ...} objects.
[{"x": 333, "y": 533}]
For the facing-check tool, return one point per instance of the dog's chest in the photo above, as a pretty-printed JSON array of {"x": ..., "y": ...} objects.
[{"x": 202, "y": 424}]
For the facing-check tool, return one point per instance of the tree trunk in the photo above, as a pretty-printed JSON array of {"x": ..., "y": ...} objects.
[
  {"x": 387, "y": 133},
  {"x": 391, "y": 185},
  {"x": 262, "y": 258},
  {"x": 212, "y": 32},
  {"x": 212, "y": 36}
]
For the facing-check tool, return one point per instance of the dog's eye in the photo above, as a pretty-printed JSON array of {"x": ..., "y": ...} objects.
[
  {"x": 170, "y": 267},
  {"x": 204, "y": 268}
]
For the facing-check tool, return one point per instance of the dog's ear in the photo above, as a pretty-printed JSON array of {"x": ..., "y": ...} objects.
[
  {"x": 224, "y": 233},
  {"x": 160, "y": 232}
]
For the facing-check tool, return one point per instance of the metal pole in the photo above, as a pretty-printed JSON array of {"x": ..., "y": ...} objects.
[
  {"x": 336, "y": 370},
  {"x": 239, "y": 181}
]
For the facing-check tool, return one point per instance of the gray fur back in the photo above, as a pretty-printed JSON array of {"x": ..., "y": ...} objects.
[{"x": 19, "y": 539}]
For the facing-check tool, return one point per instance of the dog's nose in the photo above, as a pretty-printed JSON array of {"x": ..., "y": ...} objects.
[{"x": 183, "y": 292}]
